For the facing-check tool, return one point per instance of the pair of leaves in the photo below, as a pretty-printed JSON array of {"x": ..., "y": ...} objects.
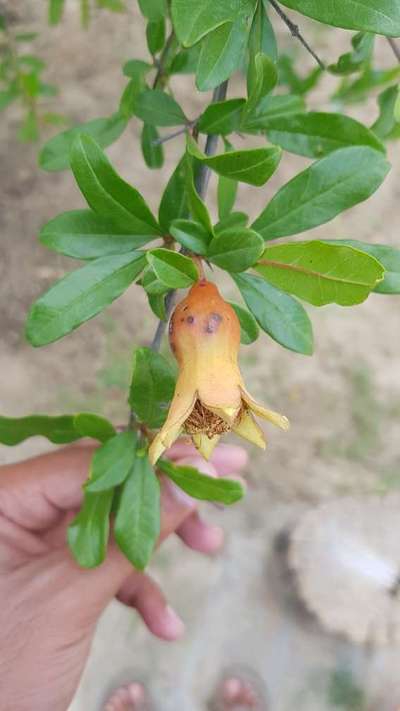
[{"x": 59, "y": 430}]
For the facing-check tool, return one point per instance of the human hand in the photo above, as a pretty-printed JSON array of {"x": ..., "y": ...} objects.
[{"x": 48, "y": 605}]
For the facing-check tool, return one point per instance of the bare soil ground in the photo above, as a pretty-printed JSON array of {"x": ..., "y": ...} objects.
[{"x": 344, "y": 405}]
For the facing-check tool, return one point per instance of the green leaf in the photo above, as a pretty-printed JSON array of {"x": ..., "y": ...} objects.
[
  {"x": 321, "y": 273},
  {"x": 157, "y": 108},
  {"x": 157, "y": 305},
  {"x": 235, "y": 219},
  {"x": 297, "y": 84},
  {"x": 136, "y": 69},
  {"x": 388, "y": 256},
  {"x": 279, "y": 314},
  {"x": 262, "y": 35},
  {"x": 193, "y": 21},
  {"x": 155, "y": 35},
  {"x": 254, "y": 166},
  {"x": 7, "y": 97},
  {"x": 249, "y": 330},
  {"x": 200, "y": 486},
  {"x": 319, "y": 193},
  {"x": 174, "y": 201},
  {"x": 380, "y": 16},
  {"x": 222, "y": 117},
  {"x": 223, "y": 51},
  {"x": 386, "y": 121},
  {"x": 316, "y": 134},
  {"x": 356, "y": 60},
  {"x": 29, "y": 131},
  {"x": 152, "y": 152},
  {"x": 197, "y": 207},
  {"x": 191, "y": 235},
  {"x": 55, "y": 153},
  {"x": 175, "y": 270},
  {"x": 84, "y": 235},
  {"x": 236, "y": 250},
  {"x": 262, "y": 77},
  {"x": 226, "y": 196},
  {"x": 105, "y": 192},
  {"x": 89, "y": 531},
  {"x": 396, "y": 110},
  {"x": 59, "y": 430},
  {"x": 137, "y": 522},
  {"x": 272, "y": 107},
  {"x": 152, "y": 387},
  {"x": 80, "y": 295},
  {"x": 153, "y": 10},
  {"x": 56, "y": 9},
  {"x": 151, "y": 283},
  {"x": 89, "y": 425},
  {"x": 112, "y": 462},
  {"x": 369, "y": 80},
  {"x": 185, "y": 61}
]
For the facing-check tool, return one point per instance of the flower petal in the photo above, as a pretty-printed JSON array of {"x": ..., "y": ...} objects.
[
  {"x": 248, "y": 428},
  {"x": 274, "y": 417},
  {"x": 228, "y": 413},
  {"x": 182, "y": 405},
  {"x": 204, "y": 444}
]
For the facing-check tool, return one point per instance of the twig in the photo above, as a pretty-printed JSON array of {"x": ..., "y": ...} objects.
[
  {"x": 158, "y": 79},
  {"x": 170, "y": 136},
  {"x": 395, "y": 47},
  {"x": 295, "y": 32},
  {"x": 202, "y": 179}
]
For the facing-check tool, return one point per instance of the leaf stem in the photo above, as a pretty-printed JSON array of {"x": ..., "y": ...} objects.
[
  {"x": 295, "y": 32},
  {"x": 395, "y": 47},
  {"x": 159, "y": 77}
]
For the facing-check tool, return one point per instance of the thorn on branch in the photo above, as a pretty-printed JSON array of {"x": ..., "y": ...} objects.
[{"x": 295, "y": 32}]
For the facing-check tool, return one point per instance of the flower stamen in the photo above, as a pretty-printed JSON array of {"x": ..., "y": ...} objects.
[{"x": 203, "y": 420}]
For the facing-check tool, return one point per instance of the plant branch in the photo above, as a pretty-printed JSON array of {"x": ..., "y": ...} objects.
[
  {"x": 170, "y": 136},
  {"x": 158, "y": 79},
  {"x": 395, "y": 47},
  {"x": 295, "y": 32},
  {"x": 202, "y": 179}
]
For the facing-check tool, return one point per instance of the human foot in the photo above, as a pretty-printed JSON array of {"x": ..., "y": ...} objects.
[
  {"x": 132, "y": 697},
  {"x": 239, "y": 690}
]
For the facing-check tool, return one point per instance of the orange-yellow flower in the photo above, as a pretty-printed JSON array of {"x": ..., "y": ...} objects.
[{"x": 210, "y": 397}]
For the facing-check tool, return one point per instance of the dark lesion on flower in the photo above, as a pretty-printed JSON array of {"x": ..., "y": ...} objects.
[
  {"x": 212, "y": 323},
  {"x": 204, "y": 421},
  {"x": 190, "y": 319}
]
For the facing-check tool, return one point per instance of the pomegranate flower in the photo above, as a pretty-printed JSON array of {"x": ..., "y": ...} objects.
[{"x": 210, "y": 397}]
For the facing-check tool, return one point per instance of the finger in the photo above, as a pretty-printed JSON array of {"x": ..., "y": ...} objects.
[
  {"x": 226, "y": 458},
  {"x": 36, "y": 493},
  {"x": 143, "y": 594},
  {"x": 200, "y": 535}
]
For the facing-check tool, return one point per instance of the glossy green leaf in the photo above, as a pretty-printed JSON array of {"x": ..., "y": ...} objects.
[
  {"x": 321, "y": 273},
  {"x": 136, "y": 69},
  {"x": 236, "y": 250},
  {"x": 185, "y": 61},
  {"x": 316, "y": 134},
  {"x": 153, "y": 153},
  {"x": 137, "y": 521},
  {"x": 262, "y": 77},
  {"x": 388, "y": 256},
  {"x": 174, "y": 201},
  {"x": 84, "y": 235},
  {"x": 153, "y": 10},
  {"x": 366, "y": 83},
  {"x": 105, "y": 191},
  {"x": 151, "y": 283},
  {"x": 380, "y": 16},
  {"x": 197, "y": 206},
  {"x": 354, "y": 61},
  {"x": 155, "y": 35},
  {"x": 223, "y": 51},
  {"x": 262, "y": 35},
  {"x": 272, "y": 107},
  {"x": 386, "y": 120},
  {"x": 152, "y": 387},
  {"x": 157, "y": 305},
  {"x": 396, "y": 110},
  {"x": 277, "y": 313},
  {"x": 222, "y": 117},
  {"x": 59, "y": 430},
  {"x": 157, "y": 108},
  {"x": 192, "y": 21},
  {"x": 235, "y": 219},
  {"x": 254, "y": 166},
  {"x": 80, "y": 295},
  {"x": 249, "y": 330},
  {"x": 89, "y": 531},
  {"x": 55, "y": 154},
  {"x": 56, "y": 9},
  {"x": 191, "y": 235},
  {"x": 226, "y": 196},
  {"x": 319, "y": 193},
  {"x": 175, "y": 270},
  {"x": 112, "y": 462},
  {"x": 200, "y": 486},
  {"x": 88, "y": 424},
  {"x": 127, "y": 104}
]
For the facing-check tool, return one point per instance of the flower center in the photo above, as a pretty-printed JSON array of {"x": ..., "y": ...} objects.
[{"x": 201, "y": 420}]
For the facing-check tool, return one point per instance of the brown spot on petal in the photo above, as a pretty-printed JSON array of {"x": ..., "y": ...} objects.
[{"x": 212, "y": 323}]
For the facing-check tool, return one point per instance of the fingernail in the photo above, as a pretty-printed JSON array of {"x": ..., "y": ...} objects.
[{"x": 173, "y": 624}]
